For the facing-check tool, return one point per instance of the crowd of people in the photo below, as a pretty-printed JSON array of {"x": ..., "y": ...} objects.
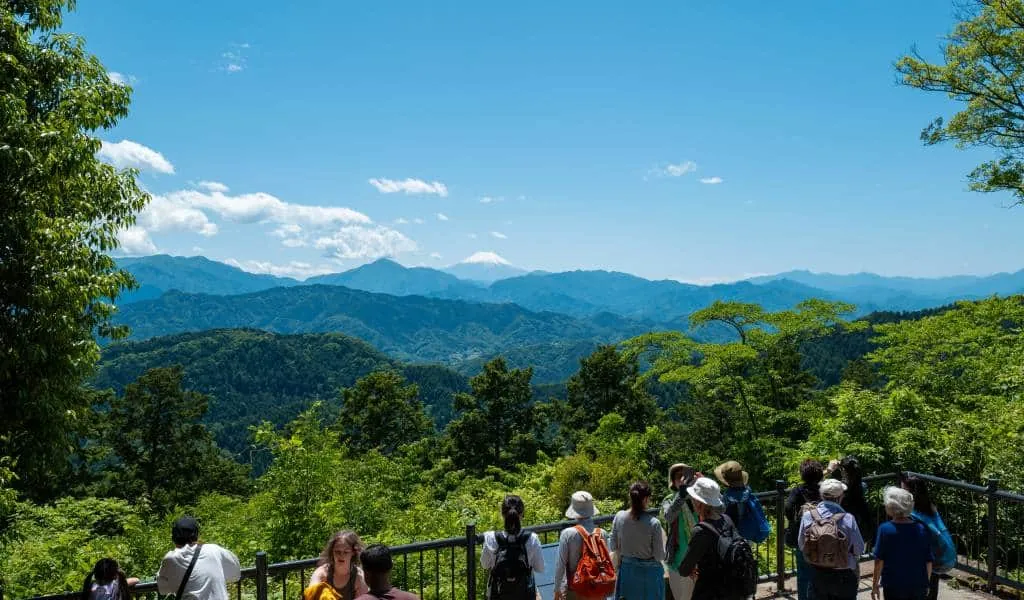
[{"x": 704, "y": 548}]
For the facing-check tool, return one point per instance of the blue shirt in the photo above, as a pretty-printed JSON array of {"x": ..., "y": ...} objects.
[
  {"x": 847, "y": 524},
  {"x": 905, "y": 550}
]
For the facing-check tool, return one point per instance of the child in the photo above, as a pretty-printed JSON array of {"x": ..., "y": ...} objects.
[{"x": 107, "y": 582}]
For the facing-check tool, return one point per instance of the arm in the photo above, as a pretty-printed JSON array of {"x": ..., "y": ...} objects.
[
  {"x": 700, "y": 542},
  {"x": 672, "y": 505},
  {"x": 874, "y": 579},
  {"x": 856, "y": 539},
  {"x": 561, "y": 582},
  {"x": 132, "y": 581},
  {"x": 658, "y": 540},
  {"x": 229, "y": 562},
  {"x": 535, "y": 554},
  {"x": 488, "y": 554},
  {"x": 804, "y": 523},
  {"x": 319, "y": 575},
  {"x": 168, "y": 577}
]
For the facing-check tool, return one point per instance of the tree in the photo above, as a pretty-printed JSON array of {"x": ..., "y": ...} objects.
[
  {"x": 60, "y": 213},
  {"x": 495, "y": 426},
  {"x": 983, "y": 67},
  {"x": 608, "y": 382},
  {"x": 159, "y": 449},
  {"x": 382, "y": 412}
]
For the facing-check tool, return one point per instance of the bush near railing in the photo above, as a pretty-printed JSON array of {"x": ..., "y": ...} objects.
[{"x": 986, "y": 523}]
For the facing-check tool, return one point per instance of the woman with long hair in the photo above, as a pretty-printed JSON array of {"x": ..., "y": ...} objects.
[
  {"x": 512, "y": 555},
  {"x": 107, "y": 581},
  {"x": 338, "y": 566},
  {"x": 927, "y": 513},
  {"x": 638, "y": 542}
]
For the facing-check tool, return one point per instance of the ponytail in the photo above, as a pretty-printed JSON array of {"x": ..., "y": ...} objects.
[
  {"x": 638, "y": 492},
  {"x": 87, "y": 587},
  {"x": 512, "y": 510}
]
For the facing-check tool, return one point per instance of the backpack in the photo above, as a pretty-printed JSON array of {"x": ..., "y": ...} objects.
[
  {"x": 826, "y": 545},
  {"x": 511, "y": 578},
  {"x": 747, "y": 515},
  {"x": 736, "y": 561},
  {"x": 794, "y": 526},
  {"x": 595, "y": 573},
  {"x": 943, "y": 548}
]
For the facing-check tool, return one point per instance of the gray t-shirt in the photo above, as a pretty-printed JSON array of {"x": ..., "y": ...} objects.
[{"x": 641, "y": 538}]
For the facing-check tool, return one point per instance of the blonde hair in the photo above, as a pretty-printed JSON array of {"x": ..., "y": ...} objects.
[{"x": 898, "y": 502}]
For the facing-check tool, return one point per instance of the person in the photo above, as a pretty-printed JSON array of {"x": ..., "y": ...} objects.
[
  {"x": 838, "y": 582},
  {"x": 338, "y": 569},
  {"x": 926, "y": 512},
  {"x": 741, "y": 505},
  {"x": 570, "y": 543},
  {"x": 512, "y": 556},
  {"x": 680, "y": 517},
  {"x": 377, "y": 565},
  {"x": 639, "y": 545},
  {"x": 107, "y": 581},
  {"x": 855, "y": 501},
  {"x": 903, "y": 551},
  {"x": 806, "y": 493},
  {"x": 212, "y": 567},
  {"x": 702, "y": 562}
]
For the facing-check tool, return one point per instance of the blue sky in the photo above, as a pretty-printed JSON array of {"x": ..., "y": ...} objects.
[{"x": 340, "y": 132}]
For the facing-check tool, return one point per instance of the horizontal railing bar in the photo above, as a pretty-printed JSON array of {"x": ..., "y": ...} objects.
[
  {"x": 1018, "y": 585},
  {"x": 960, "y": 485},
  {"x": 1012, "y": 497}
]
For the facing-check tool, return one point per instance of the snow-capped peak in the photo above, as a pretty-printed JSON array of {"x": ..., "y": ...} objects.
[{"x": 485, "y": 258}]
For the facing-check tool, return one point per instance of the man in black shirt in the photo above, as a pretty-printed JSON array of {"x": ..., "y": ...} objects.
[{"x": 702, "y": 561}]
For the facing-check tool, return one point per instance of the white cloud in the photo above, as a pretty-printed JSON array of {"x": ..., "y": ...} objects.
[
  {"x": 261, "y": 207},
  {"x": 169, "y": 213},
  {"x": 717, "y": 279},
  {"x": 294, "y": 242},
  {"x": 287, "y": 230},
  {"x": 127, "y": 153},
  {"x": 401, "y": 221},
  {"x": 435, "y": 255},
  {"x": 213, "y": 186},
  {"x": 234, "y": 60},
  {"x": 491, "y": 199},
  {"x": 136, "y": 241},
  {"x": 197, "y": 249},
  {"x": 121, "y": 78},
  {"x": 409, "y": 186},
  {"x": 442, "y": 217},
  {"x": 233, "y": 68},
  {"x": 356, "y": 242},
  {"x": 485, "y": 258},
  {"x": 499, "y": 235},
  {"x": 296, "y": 269},
  {"x": 711, "y": 180},
  {"x": 673, "y": 170}
]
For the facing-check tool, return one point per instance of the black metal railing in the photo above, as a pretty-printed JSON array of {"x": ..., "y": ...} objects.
[{"x": 987, "y": 525}]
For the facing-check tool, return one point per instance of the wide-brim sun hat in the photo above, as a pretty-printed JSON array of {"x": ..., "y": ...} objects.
[
  {"x": 831, "y": 488},
  {"x": 731, "y": 473},
  {"x": 706, "y": 491},
  {"x": 675, "y": 468},
  {"x": 581, "y": 506}
]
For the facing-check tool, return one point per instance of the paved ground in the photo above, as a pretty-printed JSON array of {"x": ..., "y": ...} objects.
[{"x": 949, "y": 589}]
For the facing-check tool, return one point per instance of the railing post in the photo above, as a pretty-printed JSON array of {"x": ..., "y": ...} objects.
[
  {"x": 780, "y": 536},
  {"x": 471, "y": 561},
  {"x": 993, "y": 516},
  {"x": 261, "y": 575}
]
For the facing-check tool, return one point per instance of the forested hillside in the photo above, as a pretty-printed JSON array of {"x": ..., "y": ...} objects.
[{"x": 253, "y": 376}]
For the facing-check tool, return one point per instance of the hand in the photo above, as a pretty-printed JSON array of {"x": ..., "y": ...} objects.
[
  {"x": 874, "y": 592},
  {"x": 832, "y": 465},
  {"x": 695, "y": 574}
]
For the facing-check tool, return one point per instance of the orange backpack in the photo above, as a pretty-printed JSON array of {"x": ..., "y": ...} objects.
[{"x": 595, "y": 574}]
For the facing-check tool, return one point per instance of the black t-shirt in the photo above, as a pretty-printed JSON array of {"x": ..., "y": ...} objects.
[{"x": 702, "y": 554}]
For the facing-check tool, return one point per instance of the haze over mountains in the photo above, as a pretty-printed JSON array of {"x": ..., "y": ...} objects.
[{"x": 546, "y": 320}]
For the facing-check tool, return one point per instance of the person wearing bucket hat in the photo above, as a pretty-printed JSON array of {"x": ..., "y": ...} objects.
[
  {"x": 833, "y": 556},
  {"x": 703, "y": 561},
  {"x": 741, "y": 504},
  {"x": 570, "y": 542},
  {"x": 677, "y": 511}
]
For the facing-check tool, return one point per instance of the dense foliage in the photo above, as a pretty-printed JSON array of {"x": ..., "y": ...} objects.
[{"x": 60, "y": 213}]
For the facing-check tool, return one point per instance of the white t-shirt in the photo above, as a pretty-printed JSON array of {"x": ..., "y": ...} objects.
[{"x": 215, "y": 568}]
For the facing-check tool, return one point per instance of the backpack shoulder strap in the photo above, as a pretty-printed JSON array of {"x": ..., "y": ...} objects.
[{"x": 817, "y": 516}]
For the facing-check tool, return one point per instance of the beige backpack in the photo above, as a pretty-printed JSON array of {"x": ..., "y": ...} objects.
[{"x": 825, "y": 544}]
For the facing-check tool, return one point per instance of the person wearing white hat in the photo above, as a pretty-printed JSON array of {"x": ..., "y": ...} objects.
[
  {"x": 702, "y": 561},
  {"x": 840, "y": 581},
  {"x": 680, "y": 518},
  {"x": 570, "y": 542}
]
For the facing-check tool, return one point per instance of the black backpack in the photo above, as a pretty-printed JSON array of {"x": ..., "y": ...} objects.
[
  {"x": 512, "y": 577},
  {"x": 737, "y": 565}
]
